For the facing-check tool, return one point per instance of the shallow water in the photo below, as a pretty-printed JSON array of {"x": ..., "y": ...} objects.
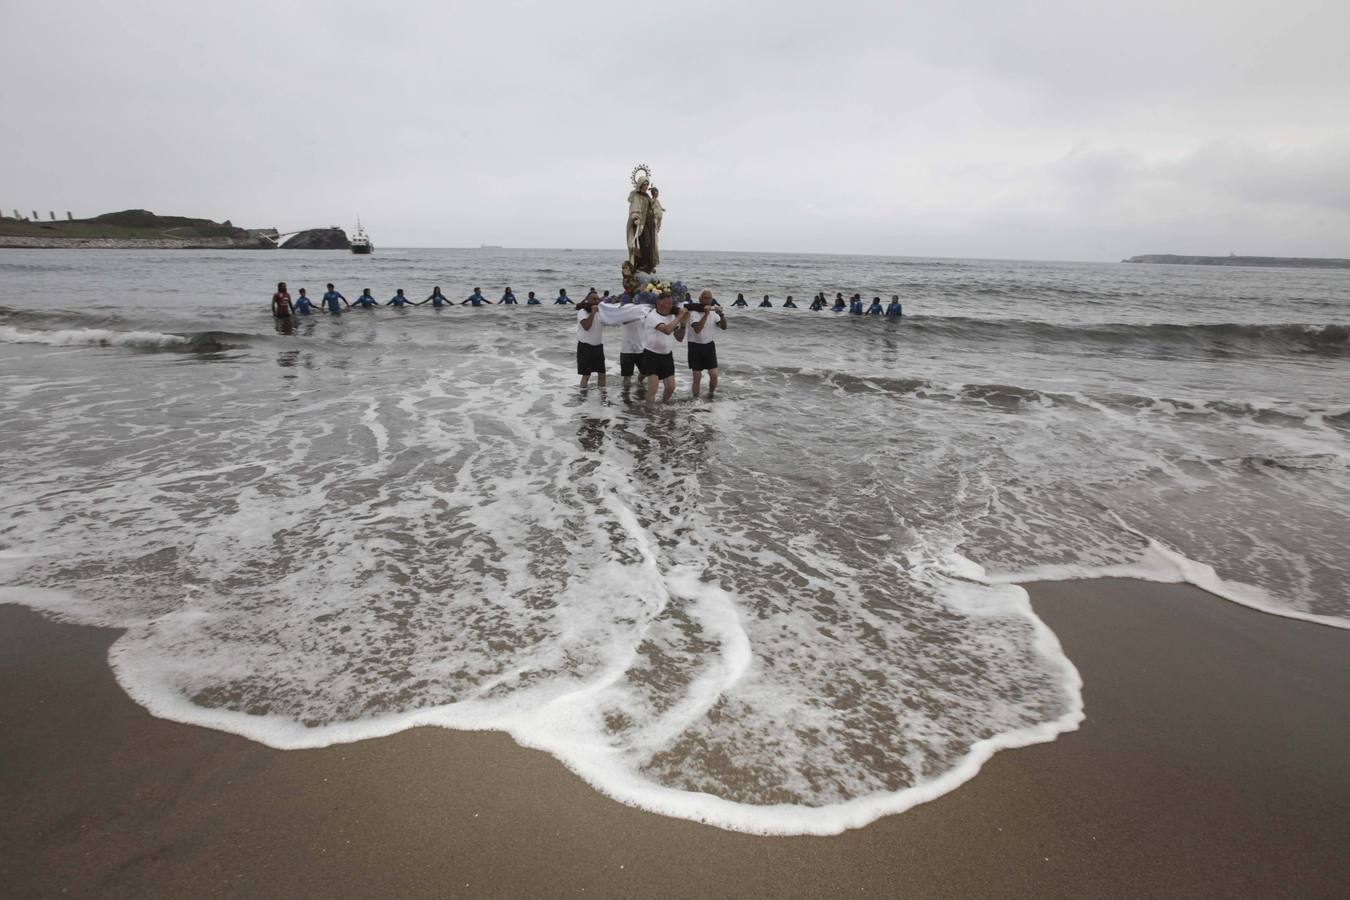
[{"x": 791, "y": 609}]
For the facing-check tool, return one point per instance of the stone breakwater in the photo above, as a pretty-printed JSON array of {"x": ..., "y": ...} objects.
[{"x": 16, "y": 242}]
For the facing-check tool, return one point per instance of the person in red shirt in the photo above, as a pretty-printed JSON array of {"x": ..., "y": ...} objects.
[{"x": 281, "y": 302}]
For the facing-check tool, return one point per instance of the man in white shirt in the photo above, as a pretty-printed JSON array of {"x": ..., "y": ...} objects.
[
  {"x": 702, "y": 350},
  {"x": 627, "y": 311},
  {"x": 660, "y": 331},
  {"x": 630, "y": 345},
  {"x": 590, "y": 341}
]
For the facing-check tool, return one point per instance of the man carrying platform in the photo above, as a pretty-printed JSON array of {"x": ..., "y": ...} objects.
[
  {"x": 590, "y": 341},
  {"x": 702, "y": 349}
]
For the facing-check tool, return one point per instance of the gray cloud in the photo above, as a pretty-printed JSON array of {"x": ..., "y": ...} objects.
[{"x": 1048, "y": 129}]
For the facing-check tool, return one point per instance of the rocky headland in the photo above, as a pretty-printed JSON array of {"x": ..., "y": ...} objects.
[{"x": 140, "y": 229}]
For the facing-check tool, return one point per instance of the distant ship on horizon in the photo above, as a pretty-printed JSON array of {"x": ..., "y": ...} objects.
[
  {"x": 490, "y": 247},
  {"x": 360, "y": 242}
]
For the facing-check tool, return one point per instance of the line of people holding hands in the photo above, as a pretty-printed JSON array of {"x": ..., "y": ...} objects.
[
  {"x": 854, "y": 305},
  {"x": 652, "y": 320},
  {"x": 333, "y": 302}
]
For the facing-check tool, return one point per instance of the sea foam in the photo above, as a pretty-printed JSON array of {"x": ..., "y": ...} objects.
[
  {"x": 787, "y": 611},
  {"x": 376, "y": 562}
]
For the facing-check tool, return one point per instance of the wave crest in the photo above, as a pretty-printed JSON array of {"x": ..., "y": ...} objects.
[
  {"x": 1219, "y": 339},
  {"x": 202, "y": 342}
]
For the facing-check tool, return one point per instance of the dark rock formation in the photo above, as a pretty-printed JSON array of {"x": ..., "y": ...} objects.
[{"x": 318, "y": 239}]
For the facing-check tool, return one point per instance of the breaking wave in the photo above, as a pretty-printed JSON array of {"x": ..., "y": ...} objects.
[
  {"x": 1212, "y": 339},
  {"x": 201, "y": 342},
  {"x": 1014, "y": 398}
]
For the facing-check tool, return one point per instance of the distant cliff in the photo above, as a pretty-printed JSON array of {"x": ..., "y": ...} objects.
[
  {"x": 1277, "y": 262},
  {"x": 318, "y": 239}
]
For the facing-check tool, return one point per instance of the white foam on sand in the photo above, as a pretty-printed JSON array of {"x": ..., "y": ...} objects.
[
  {"x": 443, "y": 558},
  {"x": 716, "y": 611},
  {"x": 566, "y": 718},
  {"x": 1166, "y": 566}
]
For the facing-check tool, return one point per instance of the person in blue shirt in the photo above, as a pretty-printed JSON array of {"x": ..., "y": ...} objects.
[
  {"x": 739, "y": 301},
  {"x": 476, "y": 298},
  {"x": 330, "y": 301},
  {"x": 788, "y": 304},
  {"x": 532, "y": 300},
  {"x": 508, "y": 298},
  {"x": 399, "y": 300},
  {"x": 875, "y": 308},
  {"x": 855, "y": 307},
  {"x": 365, "y": 301},
  {"x": 817, "y": 303},
  {"x": 303, "y": 305},
  {"x": 839, "y": 305},
  {"x": 437, "y": 299},
  {"x": 894, "y": 311},
  {"x": 563, "y": 299},
  {"x": 765, "y": 304}
]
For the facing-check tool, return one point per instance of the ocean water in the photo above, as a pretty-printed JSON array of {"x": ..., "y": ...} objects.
[{"x": 791, "y": 609}]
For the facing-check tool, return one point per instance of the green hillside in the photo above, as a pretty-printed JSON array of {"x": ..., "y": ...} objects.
[{"x": 129, "y": 224}]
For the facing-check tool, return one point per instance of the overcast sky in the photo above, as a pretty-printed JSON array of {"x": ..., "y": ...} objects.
[{"x": 1046, "y": 130}]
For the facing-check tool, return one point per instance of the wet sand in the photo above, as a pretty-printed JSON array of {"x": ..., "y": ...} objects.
[{"x": 1215, "y": 761}]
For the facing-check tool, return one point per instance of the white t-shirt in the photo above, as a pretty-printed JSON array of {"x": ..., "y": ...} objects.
[
  {"x": 709, "y": 326},
  {"x": 630, "y": 316},
  {"x": 631, "y": 342},
  {"x": 657, "y": 341},
  {"x": 593, "y": 335}
]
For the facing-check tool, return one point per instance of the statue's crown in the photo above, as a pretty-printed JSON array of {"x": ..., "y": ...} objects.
[{"x": 641, "y": 173}]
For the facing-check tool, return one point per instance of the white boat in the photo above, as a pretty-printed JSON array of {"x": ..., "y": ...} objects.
[{"x": 360, "y": 242}]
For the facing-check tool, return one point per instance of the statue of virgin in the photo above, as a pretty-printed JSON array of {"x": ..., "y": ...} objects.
[{"x": 643, "y": 225}]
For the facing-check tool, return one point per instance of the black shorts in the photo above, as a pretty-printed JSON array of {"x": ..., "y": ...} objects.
[
  {"x": 662, "y": 365},
  {"x": 590, "y": 358},
  {"x": 628, "y": 362},
  {"x": 703, "y": 356}
]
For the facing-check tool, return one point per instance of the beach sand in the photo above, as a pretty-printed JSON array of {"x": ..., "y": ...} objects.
[{"x": 1214, "y": 761}]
